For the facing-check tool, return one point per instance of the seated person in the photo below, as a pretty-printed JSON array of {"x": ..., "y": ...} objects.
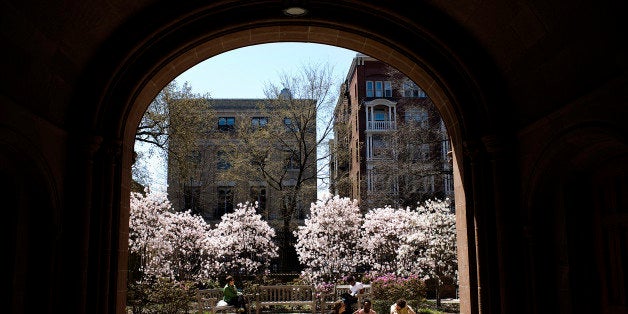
[
  {"x": 339, "y": 308},
  {"x": 401, "y": 307},
  {"x": 350, "y": 298},
  {"x": 366, "y": 308},
  {"x": 232, "y": 296}
]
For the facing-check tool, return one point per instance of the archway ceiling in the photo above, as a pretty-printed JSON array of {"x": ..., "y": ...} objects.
[{"x": 531, "y": 44}]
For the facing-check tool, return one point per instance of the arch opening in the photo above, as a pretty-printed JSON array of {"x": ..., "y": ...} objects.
[{"x": 157, "y": 69}]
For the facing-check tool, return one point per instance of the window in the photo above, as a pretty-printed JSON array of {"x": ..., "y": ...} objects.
[
  {"x": 408, "y": 89},
  {"x": 258, "y": 194},
  {"x": 387, "y": 89},
  {"x": 225, "y": 201},
  {"x": 223, "y": 163},
  {"x": 301, "y": 212},
  {"x": 379, "y": 89},
  {"x": 419, "y": 115},
  {"x": 424, "y": 151},
  {"x": 191, "y": 198},
  {"x": 448, "y": 183},
  {"x": 292, "y": 161},
  {"x": 290, "y": 125},
  {"x": 259, "y": 121},
  {"x": 380, "y": 115},
  {"x": 428, "y": 184},
  {"x": 445, "y": 150},
  {"x": 412, "y": 90},
  {"x": 369, "y": 89},
  {"x": 226, "y": 123},
  {"x": 194, "y": 156},
  {"x": 379, "y": 146}
]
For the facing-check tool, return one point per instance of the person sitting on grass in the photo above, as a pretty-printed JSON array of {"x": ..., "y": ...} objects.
[
  {"x": 401, "y": 307},
  {"x": 366, "y": 308},
  {"x": 232, "y": 296}
]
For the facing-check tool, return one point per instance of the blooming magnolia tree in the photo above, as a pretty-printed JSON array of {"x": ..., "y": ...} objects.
[
  {"x": 411, "y": 242},
  {"x": 430, "y": 251},
  {"x": 169, "y": 244},
  {"x": 382, "y": 234},
  {"x": 326, "y": 243},
  {"x": 246, "y": 241}
]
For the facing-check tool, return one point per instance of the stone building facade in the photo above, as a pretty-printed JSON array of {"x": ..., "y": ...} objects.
[{"x": 210, "y": 191}]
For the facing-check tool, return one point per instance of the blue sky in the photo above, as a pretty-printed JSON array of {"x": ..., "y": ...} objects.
[{"x": 243, "y": 73}]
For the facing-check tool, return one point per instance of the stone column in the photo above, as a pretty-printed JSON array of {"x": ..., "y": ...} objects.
[
  {"x": 77, "y": 224},
  {"x": 474, "y": 244},
  {"x": 105, "y": 213},
  {"x": 506, "y": 214}
]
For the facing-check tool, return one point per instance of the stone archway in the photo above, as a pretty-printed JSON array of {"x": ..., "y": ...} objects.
[
  {"x": 574, "y": 219},
  {"x": 163, "y": 53}
]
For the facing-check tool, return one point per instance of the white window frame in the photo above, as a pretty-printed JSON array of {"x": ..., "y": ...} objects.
[
  {"x": 370, "y": 89},
  {"x": 379, "y": 89},
  {"x": 387, "y": 89}
]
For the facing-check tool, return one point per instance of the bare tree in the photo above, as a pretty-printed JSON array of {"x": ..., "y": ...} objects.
[
  {"x": 414, "y": 160},
  {"x": 410, "y": 163},
  {"x": 403, "y": 159},
  {"x": 171, "y": 128},
  {"x": 285, "y": 145}
]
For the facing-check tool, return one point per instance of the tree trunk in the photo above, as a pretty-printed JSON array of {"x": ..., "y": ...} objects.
[
  {"x": 438, "y": 285},
  {"x": 288, "y": 207},
  {"x": 285, "y": 245}
]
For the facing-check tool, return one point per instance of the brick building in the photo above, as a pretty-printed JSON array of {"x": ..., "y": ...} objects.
[{"x": 391, "y": 146}]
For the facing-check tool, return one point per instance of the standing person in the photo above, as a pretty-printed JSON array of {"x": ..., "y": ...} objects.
[
  {"x": 366, "y": 308},
  {"x": 350, "y": 298},
  {"x": 401, "y": 307},
  {"x": 232, "y": 296}
]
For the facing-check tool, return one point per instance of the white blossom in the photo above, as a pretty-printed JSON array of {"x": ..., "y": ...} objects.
[
  {"x": 327, "y": 242},
  {"x": 245, "y": 240}
]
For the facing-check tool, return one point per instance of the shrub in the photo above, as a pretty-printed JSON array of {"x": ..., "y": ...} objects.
[
  {"x": 161, "y": 296},
  {"x": 392, "y": 287}
]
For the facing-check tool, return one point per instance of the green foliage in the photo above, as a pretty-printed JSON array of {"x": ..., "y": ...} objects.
[
  {"x": 444, "y": 308},
  {"x": 161, "y": 296},
  {"x": 171, "y": 127},
  {"x": 391, "y": 288}
]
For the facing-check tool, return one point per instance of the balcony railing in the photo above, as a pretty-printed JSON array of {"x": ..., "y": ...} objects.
[{"x": 380, "y": 125}]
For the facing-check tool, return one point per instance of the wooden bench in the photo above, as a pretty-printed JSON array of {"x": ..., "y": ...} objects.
[
  {"x": 285, "y": 295},
  {"x": 207, "y": 301},
  {"x": 327, "y": 301}
]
